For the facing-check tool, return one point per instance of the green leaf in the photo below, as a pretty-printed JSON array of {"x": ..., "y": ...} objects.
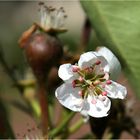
[{"x": 117, "y": 25}]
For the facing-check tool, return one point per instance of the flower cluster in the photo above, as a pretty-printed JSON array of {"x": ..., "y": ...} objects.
[{"x": 88, "y": 84}]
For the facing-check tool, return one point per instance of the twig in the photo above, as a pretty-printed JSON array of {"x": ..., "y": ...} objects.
[
  {"x": 57, "y": 130},
  {"x": 44, "y": 108},
  {"x": 76, "y": 126}
]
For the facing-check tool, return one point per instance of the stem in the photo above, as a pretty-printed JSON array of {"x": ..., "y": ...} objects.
[
  {"x": 57, "y": 130},
  {"x": 44, "y": 108},
  {"x": 35, "y": 107},
  {"x": 76, "y": 126}
]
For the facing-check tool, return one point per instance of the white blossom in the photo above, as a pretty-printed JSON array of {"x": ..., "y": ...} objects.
[{"x": 87, "y": 85}]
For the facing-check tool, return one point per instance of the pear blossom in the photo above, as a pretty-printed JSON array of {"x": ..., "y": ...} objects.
[{"x": 88, "y": 85}]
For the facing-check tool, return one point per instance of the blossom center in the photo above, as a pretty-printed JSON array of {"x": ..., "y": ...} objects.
[{"x": 91, "y": 80}]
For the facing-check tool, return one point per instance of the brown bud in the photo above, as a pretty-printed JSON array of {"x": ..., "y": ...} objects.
[{"x": 43, "y": 51}]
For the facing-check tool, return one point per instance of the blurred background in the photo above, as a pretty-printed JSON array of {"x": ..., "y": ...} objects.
[{"x": 15, "y": 18}]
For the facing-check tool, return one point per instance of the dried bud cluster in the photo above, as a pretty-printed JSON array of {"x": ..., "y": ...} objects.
[{"x": 52, "y": 18}]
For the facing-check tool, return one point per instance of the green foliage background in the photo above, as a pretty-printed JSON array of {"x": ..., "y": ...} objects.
[{"x": 117, "y": 25}]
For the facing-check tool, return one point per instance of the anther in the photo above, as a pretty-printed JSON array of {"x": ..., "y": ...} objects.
[
  {"x": 80, "y": 93},
  {"x": 96, "y": 82},
  {"x": 75, "y": 68},
  {"x": 81, "y": 79},
  {"x": 88, "y": 69},
  {"x": 41, "y": 3},
  {"x": 74, "y": 83},
  {"x": 106, "y": 76},
  {"x": 103, "y": 86},
  {"x": 98, "y": 62},
  {"x": 104, "y": 93},
  {"x": 93, "y": 101},
  {"x": 108, "y": 82},
  {"x": 101, "y": 69},
  {"x": 103, "y": 98}
]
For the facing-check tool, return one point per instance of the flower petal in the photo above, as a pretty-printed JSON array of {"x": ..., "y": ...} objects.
[
  {"x": 98, "y": 109},
  {"x": 87, "y": 59},
  {"x": 114, "y": 64},
  {"x": 68, "y": 97},
  {"x": 116, "y": 90},
  {"x": 65, "y": 72},
  {"x": 85, "y": 115},
  {"x": 90, "y": 58}
]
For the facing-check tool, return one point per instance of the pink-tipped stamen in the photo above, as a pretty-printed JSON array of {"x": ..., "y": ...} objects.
[
  {"x": 103, "y": 85},
  {"x": 75, "y": 68},
  {"x": 81, "y": 79},
  {"x": 101, "y": 69},
  {"x": 97, "y": 82},
  {"x": 80, "y": 93},
  {"x": 104, "y": 93},
  {"x": 94, "y": 101},
  {"x": 108, "y": 82},
  {"x": 106, "y": 76},
  {"x": 89, "y": 69},
  {"x": 98, "y": 62},
  {"x": 74, "y": 83},
  {"x": 102, "y": 98}
]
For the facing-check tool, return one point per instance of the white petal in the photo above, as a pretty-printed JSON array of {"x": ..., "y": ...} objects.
[
  {"x": 100, "y": 108},
  {"x": 68, "y": 97},
  {"x": 114, "y": 64},
  {"x": 65, "y": 72},
  {"x": 116, "y": 90},
  {"x": 89, "y": 58},
  {"x": 85, "y": 115}
]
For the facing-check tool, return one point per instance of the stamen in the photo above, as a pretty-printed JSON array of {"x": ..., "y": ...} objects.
[
  {"x": 96, "y": 82},
  {"x": 75, "y": 68},
  {"x": 98, "y": 62},
  {"x": 102, "y": 98},
  {"x": 41, "y": 3},
  {"x": 80, "y": 93},
  {"x": 93, "y": 101},
  {"x": 104, "y": 93},
  {"x": 74, "y": 83},
  {"x": 51, "y": 17},
  {"x": 108, "y": 82},
  {"x": 101, "y": 69},
  {"x": 106, "y": 76},
  {"x": 89, "y": 69},
  {"x": 103, "y": 85},
  {"x": 81, "y": 79}
]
